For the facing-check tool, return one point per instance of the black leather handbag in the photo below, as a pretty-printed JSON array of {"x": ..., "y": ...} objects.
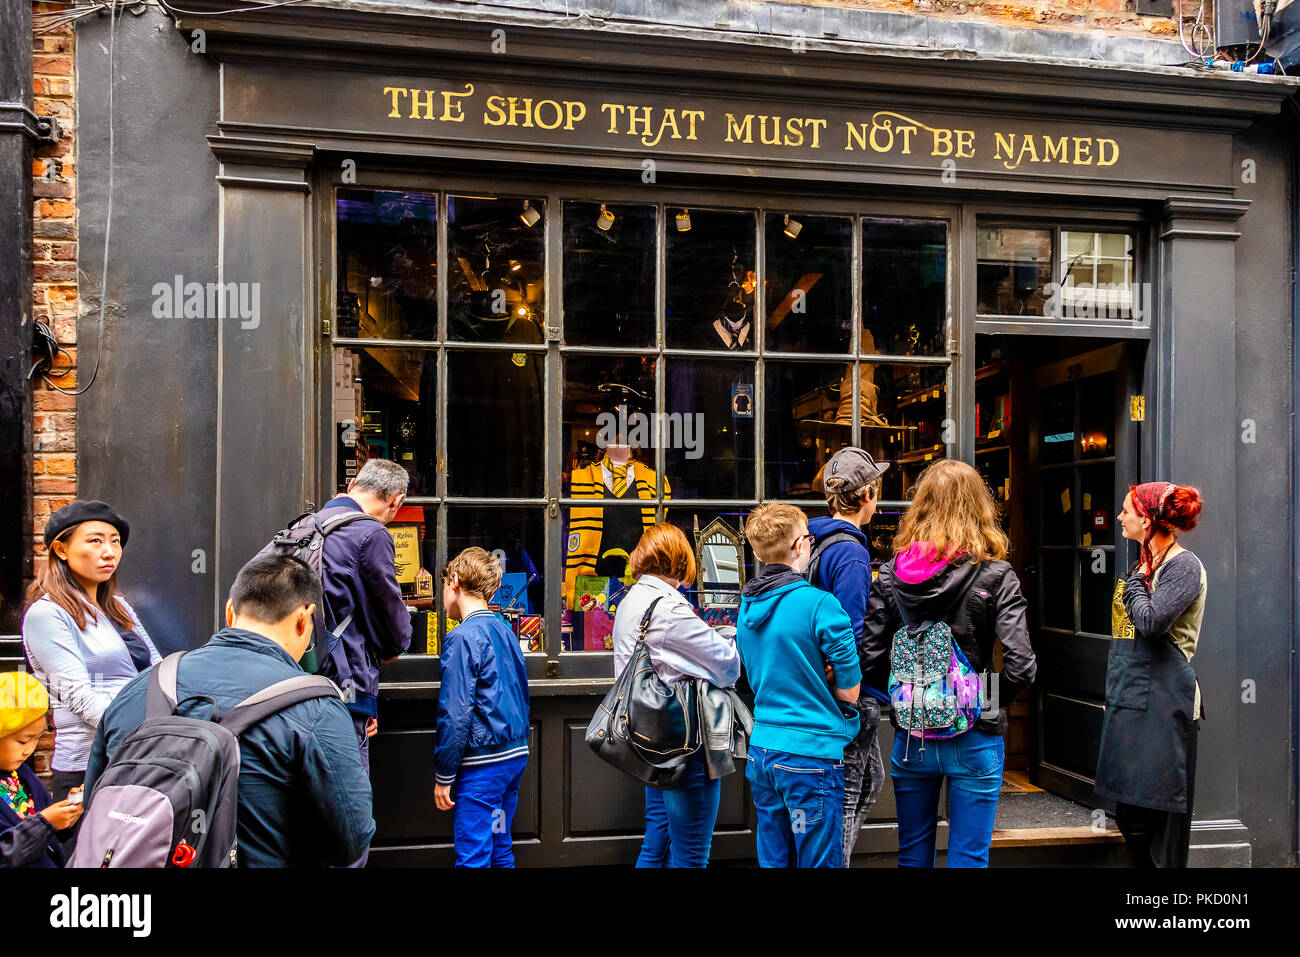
[{"x": 645, "y": 727}]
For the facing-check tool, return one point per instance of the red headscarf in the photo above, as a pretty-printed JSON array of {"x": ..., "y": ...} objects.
[{"x": 1149, "y": 499}]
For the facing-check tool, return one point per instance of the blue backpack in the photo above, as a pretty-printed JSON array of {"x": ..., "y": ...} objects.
[{"x": 935, "y": 692}]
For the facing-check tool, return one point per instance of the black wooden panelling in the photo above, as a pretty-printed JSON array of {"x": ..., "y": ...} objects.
[
  {"x": 401, "y": 774},
  {"x": 1072, "y": 663},
  {"x": 1072, "y": 733}
]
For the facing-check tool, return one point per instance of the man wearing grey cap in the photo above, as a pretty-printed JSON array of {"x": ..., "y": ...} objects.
[{"x": 841, "y": 565}]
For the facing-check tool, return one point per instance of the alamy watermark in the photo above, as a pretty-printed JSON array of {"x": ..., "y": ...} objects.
[
  {"x": 669, "y": 430},
  {"x": 1085, "y": 300},
  {"x": 179, "y": 299}
]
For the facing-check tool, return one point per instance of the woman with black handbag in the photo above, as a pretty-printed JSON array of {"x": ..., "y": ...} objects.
[{"x": 679, "y": 822}]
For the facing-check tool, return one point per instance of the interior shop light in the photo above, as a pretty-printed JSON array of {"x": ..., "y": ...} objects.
[
  {"x": 605, "y": 219},
  {"x": 516, "y": 265},
  {"x": 792, "y": 227},
  {"x": 529, "y": 215},
  {"x": 684, "y": 221}
]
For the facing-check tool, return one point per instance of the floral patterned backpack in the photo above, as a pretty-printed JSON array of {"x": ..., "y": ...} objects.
[{"x": 935, "y": 692}]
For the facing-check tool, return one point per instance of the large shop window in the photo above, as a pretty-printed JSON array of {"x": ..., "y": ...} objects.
[{"x": 696, "y": 360}]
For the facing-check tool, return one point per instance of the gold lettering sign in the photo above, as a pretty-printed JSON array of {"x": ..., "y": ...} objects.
[
  {"x": 879, "y": 133},
  {"x": 406, "y": 539}
]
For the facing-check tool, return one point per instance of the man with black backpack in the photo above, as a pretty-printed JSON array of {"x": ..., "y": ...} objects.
[
  {"x": 841, "y": 565},
  {"x": 159, "y": 778},
  {"x": 364, "y": 622}
]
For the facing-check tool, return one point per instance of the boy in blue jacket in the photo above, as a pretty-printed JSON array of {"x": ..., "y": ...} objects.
[
  {"x": 789, "y": 634},
  {"x": 841, "y": 565},
  {"x": 482, "y": 747}
]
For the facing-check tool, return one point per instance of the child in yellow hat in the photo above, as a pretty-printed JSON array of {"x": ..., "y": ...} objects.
[{"x": 29, "y": 822}]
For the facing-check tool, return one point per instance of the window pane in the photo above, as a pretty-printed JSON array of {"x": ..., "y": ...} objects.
[
  {"x": 807, "y": 283},
  {"x": 904, "y": 287},
  {"x": 1014, "y": 270},
  {"x": 609, "y": 402},
  {"x": 414, "y": 530},
  {"x": 1057, "y": 441},
  {"x": 598, "y": 538},
  {"x": 494, "y": 424},
  {"x": 719, "y": 566},
  {"x": 808, "y": 420},
  {"x": 1096, "y": 589},
  {"x": 516, "y": 537},
  {"x": 497, "y": 288},
  {"x": 711, "y": 280},
  {"x": 715, "y": 403},
  {"x": 387, "y": 265},
  {"x": 385, "y": 406},
  {"x": 1058, "y": 588},
  {"x": 1097, "y": 501},
  {"x": 903, "y": 413},
  {"x": 1058, "y": 506},
  {"x": 1098, "y": 270},
  {"x": 609, "y": 274}
]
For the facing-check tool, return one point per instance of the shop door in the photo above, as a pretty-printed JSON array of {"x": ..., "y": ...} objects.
[{"x": 1082, "y": 458}]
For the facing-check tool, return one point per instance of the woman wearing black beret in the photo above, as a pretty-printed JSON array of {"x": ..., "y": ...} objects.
[{"x": 84, "y": 641}]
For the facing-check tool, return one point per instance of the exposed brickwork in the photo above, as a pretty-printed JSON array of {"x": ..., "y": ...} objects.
[
  {"x": 54, "y": 270},
  {"x": 54, "y": 291}
]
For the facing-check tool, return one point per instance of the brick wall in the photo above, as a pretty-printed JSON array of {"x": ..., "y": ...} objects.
[
  {"x": 1113, "y": 17},
  {"x": 54, "y": 268},
  {"x": 54, "y": 290}
]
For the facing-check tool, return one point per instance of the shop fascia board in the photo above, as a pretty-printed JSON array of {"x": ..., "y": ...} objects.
[
  {"x": 917, "y": 184},
  {"x": 387, "y": 38}
]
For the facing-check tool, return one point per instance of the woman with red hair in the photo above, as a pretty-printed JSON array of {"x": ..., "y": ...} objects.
[{"x": 1147, "y": 762}]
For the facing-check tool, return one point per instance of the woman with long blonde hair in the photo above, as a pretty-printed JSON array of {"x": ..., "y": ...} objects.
[{"x": 949, "y": 569}]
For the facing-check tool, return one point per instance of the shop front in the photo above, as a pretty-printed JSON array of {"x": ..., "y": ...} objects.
[{"x": 589, "y": 283}]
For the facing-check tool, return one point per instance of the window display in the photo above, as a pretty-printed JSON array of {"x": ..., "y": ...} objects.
[
  {"x": 904, "y": 287},
  {"x": 497, "y": 286},
  {"x": 711, "y": 278},
  {"x": 387, "y": 265},
  {"x": 807, "y": 276},
  {"x": 605, "y": 417},
  {"x": 609, "y": 274},
  {"x": 385, "y": 406}
]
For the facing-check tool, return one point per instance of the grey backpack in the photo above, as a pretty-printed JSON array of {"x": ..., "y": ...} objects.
[{"x": 168, "y": 798}]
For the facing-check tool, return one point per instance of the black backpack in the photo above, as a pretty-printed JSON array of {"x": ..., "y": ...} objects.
[
  {"x": 823, "y": 543},
  {"x": 169, "y": 797},
  {"x": 305, "y": 539}
]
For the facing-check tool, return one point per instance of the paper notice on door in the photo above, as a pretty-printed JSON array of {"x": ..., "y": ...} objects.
[
  {"x": 1087, "y": 501},
  {"x": 1087, "y": 539},
  {"x": 1065, "y": 501}
]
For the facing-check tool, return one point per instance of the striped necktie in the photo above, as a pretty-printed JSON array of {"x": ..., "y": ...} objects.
[{"x": 619, "y": 472}]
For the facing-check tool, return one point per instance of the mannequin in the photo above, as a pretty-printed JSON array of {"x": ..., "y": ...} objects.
[{"x": 600, "y": 539}]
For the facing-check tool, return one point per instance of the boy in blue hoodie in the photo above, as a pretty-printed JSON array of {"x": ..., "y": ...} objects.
[
  {"x": 789, "y": 635},
  {"x": 482, "y": 746},
  {"x": 841, "y": 565}
]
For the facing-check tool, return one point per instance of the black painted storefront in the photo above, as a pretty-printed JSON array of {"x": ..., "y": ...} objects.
[{"x": 245, "y": 162}]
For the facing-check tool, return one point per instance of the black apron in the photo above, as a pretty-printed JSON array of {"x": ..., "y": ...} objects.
[{"x": 1150, "y": 695}]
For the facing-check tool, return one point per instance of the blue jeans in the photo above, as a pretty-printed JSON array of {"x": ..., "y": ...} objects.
[
  {"x": 972, "y": 763},
  {"x": 679, "y": 824},
  {"x": 800, "y": 805},
  {"x": 486, "y": 796}
]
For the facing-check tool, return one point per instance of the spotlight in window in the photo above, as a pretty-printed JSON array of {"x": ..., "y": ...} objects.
[
  {"x": 529, "y": 215},
  {"x": 516, "y": 265},
  {"x": 792, "y": 227},
  {"x": 521, "y": 311},
  {"x": 684, "y": 221},
  {"x": 605, "y": 219}
]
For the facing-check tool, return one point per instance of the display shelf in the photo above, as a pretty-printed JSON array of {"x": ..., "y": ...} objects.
[
  {"x": 1001, "y": 367},
  {"x": 922, "y": 395},
  {"x": 920, "y": 455}
]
